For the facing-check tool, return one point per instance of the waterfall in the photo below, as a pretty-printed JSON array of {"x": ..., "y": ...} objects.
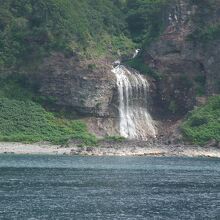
[
  {"x": 135, "y": 121},
  {"x": 136, "y": 53}
]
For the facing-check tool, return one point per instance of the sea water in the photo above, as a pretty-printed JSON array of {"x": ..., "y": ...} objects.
[{"x": 62, "y": 187}]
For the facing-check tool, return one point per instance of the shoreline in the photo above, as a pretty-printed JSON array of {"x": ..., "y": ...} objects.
[{"x": 120, "y": 150}]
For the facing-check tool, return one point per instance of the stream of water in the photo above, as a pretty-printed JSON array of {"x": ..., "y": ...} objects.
[{"x": 135, "y": 120}]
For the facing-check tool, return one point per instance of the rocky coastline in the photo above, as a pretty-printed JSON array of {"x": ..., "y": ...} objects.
[{"x": 109, "y": 148}]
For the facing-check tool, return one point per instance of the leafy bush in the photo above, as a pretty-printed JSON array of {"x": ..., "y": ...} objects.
[
  {"x": 138, "y": 64},
  {"x": 206, "y": 34},
  {"x": 203, "y": 124},
  {"x": 198, "y": 121},
  {"x": 29, "y": 122},
  {"x": 206, "y": 30},
  {"x": 145, "y": 19},
  {"x": 32, "y": 29}
]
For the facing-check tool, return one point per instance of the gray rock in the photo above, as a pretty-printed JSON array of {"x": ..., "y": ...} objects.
[
  {"x": 85, "y": 87},
  {"x": 181, "y": 61}
]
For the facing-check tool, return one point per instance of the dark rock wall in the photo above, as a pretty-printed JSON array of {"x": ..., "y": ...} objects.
[
  {"x": 87, "y": 88},
  {"x": 181, "y": 61}
]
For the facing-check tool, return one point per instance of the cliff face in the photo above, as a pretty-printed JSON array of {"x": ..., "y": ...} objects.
[
  {"x": 60, "y": 53},
  {"x": 86, "y": 87},
  {"x": 90, "y": 89},
  {"x": 188, "y": 67}
]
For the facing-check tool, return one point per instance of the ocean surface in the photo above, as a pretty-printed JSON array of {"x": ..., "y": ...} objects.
[{"x": 62, "y": 187}]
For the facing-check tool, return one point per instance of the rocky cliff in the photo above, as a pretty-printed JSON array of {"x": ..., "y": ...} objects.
[
  {"x": 57, "y": 55},
  {"x": 188, "y": 66},
  {"x": 87, "y": 88}
]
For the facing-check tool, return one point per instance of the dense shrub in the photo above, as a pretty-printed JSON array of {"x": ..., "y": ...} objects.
[
  {"x": 138, "y": 64},
  {"x": 145, "y": 19},
  {"x": 203, "y": 124},
  {"x": 30, "y": 29},
  {"x": 27, "y": 121},
  {"x": 206, "y": 29}
]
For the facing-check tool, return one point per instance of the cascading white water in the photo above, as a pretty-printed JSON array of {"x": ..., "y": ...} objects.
[
  {"x": 135, "y": 121},
  {"x": 136, "y": 53}
]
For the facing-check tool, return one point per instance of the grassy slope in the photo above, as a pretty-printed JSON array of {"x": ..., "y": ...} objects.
[
  {"x": 22, "y": 119},
  {"x": 29, "y": 122},
  {"x": 203, "y": 124}
]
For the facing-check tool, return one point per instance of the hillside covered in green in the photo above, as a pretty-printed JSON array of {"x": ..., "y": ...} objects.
[
  {"x": 203, "y": 124},
  {"x": 29, "y": 122},
  {"x": 91, "y": 30},
  {"x": 22, "y": 117},
  {"x": 33, "y": 29}
]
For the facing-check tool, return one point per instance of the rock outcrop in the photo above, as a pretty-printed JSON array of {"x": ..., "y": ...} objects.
[
  {"x": 86, "y": 87},
  {"x": 188, "y": 67},
  {"x": 90, "y": 89}
]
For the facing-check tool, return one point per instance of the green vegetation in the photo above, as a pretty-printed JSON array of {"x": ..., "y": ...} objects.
[
  {"x": 203, "y": 124},
  {"x": 115, "y": 138},
  {"x": 31, "y": 30},
  {"x": 138, "y": 64},
  {"x": 27, "y": 121},
  {"x": 206, "y": 34},
  {"x": 206, "y": 30},
  {"x": 23, "y": 119},
  {"x": 145, "y": 19},
  {"x": 17, "y": 86}
]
